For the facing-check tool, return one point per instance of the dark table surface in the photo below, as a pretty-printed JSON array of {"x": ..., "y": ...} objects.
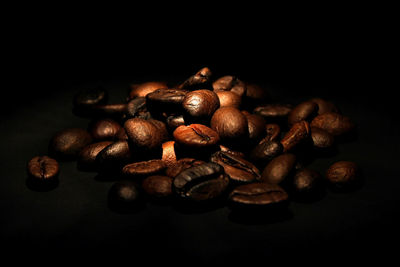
[{"x": 74, "y": 218}]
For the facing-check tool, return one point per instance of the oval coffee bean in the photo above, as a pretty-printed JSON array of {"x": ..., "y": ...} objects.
[
  {"x": 143, "y": 89},
  {"x": 202, "y": 182},
  {"x": 230, "y": 83},
  {"x": 321, "y": 139},
  {"x": 89, "y": 97},
  {"x": 200, "y": 80},
  {"x": 299, "y": 132},
  {"x": 196, "y": 135},
  {"x": 181, "y": 165},
  {"x": 200, "y": 105},
  {"x": 333, "y": 123},
  {"x": 144, "y": 168},
  {"x": 306, "y": 182},
  {"x": 158, "y": 186},
  {"x": 324, "y": 106},
  {"x": 342, "y": 174},
  {"x": 256, "y": 125},
  {"x": 137, "y": 108},
  {"x": 265, "y": 151},
  {"x": 43, "y": 169},
  {"x": 165, "y": 100},
  {"x": 306, "y": 111},
  {"x": 228, "y": 99},
  {"x": 174, "y": 122},
  {"x": 87, "y": 156},
  {"x": 104, "y": 129},
  {"x": 67, "y": 143},
  {"x": 276, "y": 112},
  {"x": 238, "y": 169},
  {"x": 114, "y": 156},
  {"x": 144, "y": 134},
  {"x": 230, "y": 151},
  {"x": 255, "y": 93},
  {"x": 278, "y": 169},
  {"x": 230, "y": 124}
]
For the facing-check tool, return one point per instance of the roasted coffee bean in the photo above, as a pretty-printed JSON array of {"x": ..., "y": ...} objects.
[
  {"x": 265, "y": 150},
  {"x": 229, "y": 99},
  {"x": 137, "y": 108},
  {"x": 324, "y": 106},
  {"x": 174, "y": 122},
  {"x": 230, "y": 83},
  {"x": 90, "y": 97},
  {"x": 43, "y": 169},
  {"x": 321, "y": 139},
  {"x": 87, "y": 156},
  {"x": 104, "y": 129},
  {"x": 256, "y": 125},
  {"x": 144, "y": 168},
  {"x": 181, "y": 165},
  {"x": 342, "y": 174},
  {"x": 168, "y": 153},
  {"x": 196, "y": 135},
  {"x": 306, "y": 182},
  {"x": 145, "y": 134},
  {"x": 333, "y": 123},
  {"x": 143, "y": 89},
  {"x": 255, "y": 93},
  {"x": 278, "y": 169},
  {"x": 306, "y": 111},
  {"x": 273, "y": 131},
  {"x": 200, "y": 80},
  {"x": 233, "y": 152},
  {"x": 276, "y": 113},
  {"x": 114, "y": 156},
  {"x": 238, "y": 169},
  {"x": 158, "y": 186},
  {"x": 67, "y": 143},
  {"x": 230, "y": 124},
  {"x": 124, "y": 194},
  {"x": 258, "y": 195},
  {"x": 200, "y": 183},
  {"x": 121, "y": 135},
  {"x": 200, "y": 105},
  {"x": 299, "y": 132},
  {"x": 165, "y": 101}
]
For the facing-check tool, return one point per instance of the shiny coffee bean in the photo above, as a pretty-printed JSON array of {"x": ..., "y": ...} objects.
[
  {"x": 200, "y": 105},
  {"x": 124, "y": 194},
  {"x": 67, "y": 143},
  {"x": 87, "y": 157},
  {"x": 114, "y": 156},
  {"x": 158, "y": 186},
  {"x": 230, "y": 83},
  {"x": 321, "y": 139},
  {"x": 306, "y": 182},
  {"x": 238, "y": 169},
  {"x": 230, "y": 151},
  {"x": 90, "y": 97},
  {"x": 229, "y": 99},
  {"x": 278, "y": 169},
  {"x": 200, "y": 80},
  {"x": 276, "y": 113},
  {"x": 273, "y": 131},
  {"x": 175, "y": 121},
  {"x": 306, "y": 111},
  {"x": 258, "y": 195},
  {"x": 137, "y": 108},
  {"x": 342, "y": 174},
  {"x": 168, "y": 153},
  {"x": 145, "y": 134},
  {"x": 256, "y": 125},
  {"x": 144, "y": 168},
  {"x": 43, "y": 169},
  {"x": 143, "y": 89},
  {"x": 196, "y": 135},
  {"x": 181, "y": 165},
  {"x": 298, "y": 133},
  {"x": 104, "y": 129},
  {"x": 165, "y": 101},
  {"x": 230, "y": 124},
  {"x": 333, "y": 123},
  {"x": 324, "y": 106},
  {"x": 265, "y": 150},
  {"x": 201, "y": 183}
]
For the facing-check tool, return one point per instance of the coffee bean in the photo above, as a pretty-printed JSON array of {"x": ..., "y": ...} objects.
[
  {"x": 324, "y": 106},
  {"x": 299, "y": 132},
  {"x": 89, "y": 97},
  {"x": 175, "y": 121},
  {"x": 104, "y": 129},
  {"x": 121, "y": 135},
  {"x": 87, "y": 156},
  {"x": 321, "y": 139},
  {"x": 274, "y": 113},
  {"x": 144, "y": 168},
  {"x": 196, "y": 135},
  {"x": 230, "y": 124},
  {"x": 238, "y": 169},
  {"x": 181, "y": 165},
  {"x": 306, "y": 111},
  {"x": 158, "y": 186},
  {"x": 229, "y": 99},
  {"x": 230, "y": 83},
  {"x": 333, "y": 123},
  {"x": 255, "y": 93},
  {"x": 273, "y": 131},
  {"x": 165, "y": 100},
  {"x": 278, "y": 169},
  {"x": 145, "y": 134},
  {"x": 230, "y": 151},
  {"x": 200, "y": 80},
  {"x": 201, "y": 183},
  {"x": 265, "y": 150},
  {"x": 114, "y": 156},
  {"x": 306, "y": 182},
  {"x": 256, "y": 125},
  {"x": 258, "y": 195},
  {"x": 67, "y": 143},
  {"x": 200, "y": 105},
  {"x": 137, "y": 108},
  {"x": 43, "y": 169},
  {"x": 342, "y": 174},
  {"x": 143, "y": 89}
]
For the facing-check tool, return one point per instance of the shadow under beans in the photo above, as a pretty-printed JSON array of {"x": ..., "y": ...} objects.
[
  {"x": 354, "y": 186},
  {"x": 310, "y": 197},
  {"x": 259, "y": 216},
  {"x": 107, "y": 177},
  {"x": 191, "y": 207},
  {"x": 40, "y": 186},
  {"x": 126, "y": 208},
  {"x": 349, "y": 137}
]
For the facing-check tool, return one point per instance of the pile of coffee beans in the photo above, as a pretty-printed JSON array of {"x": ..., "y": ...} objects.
[{"x": 200, "y": 141}]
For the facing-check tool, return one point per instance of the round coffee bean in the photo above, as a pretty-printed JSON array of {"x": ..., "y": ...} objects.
[
  {"x": 274, "y": 113},
  {"x": 321, "y": 139},
  {"x": 306, "y": 111},
  {"x": 306, "y": 182},
  {"x": 67, "y": 144},
  {"x": 278, "y": 169},
  {"x": 104, "y": 129},
  {"x": 200, "y": 105},
  {"x": 228, "y": 99},
  {"x": 202, "y": 79},
  {"x": 144, "y": 168},
  {"x": 230, "y": 124},
  {"x": 200, "y": 183},
  {"x": 333, "y": 123},
  {"x": 87, "y": 156},
  {"x": 158, "y": 186},
  {"x": 144, "y": 134},
  {"x": 43, "y": 169},
  {"x": 143, "y": 89},
  {"x": 299, "y": 132},
  {"x": 196, "y": 135},
  {"x": 230, "y": 83},
  {"x": 89, "y": 97},
  {"x": 181, "y": 165},
  {"x": 342, "y": 174}
]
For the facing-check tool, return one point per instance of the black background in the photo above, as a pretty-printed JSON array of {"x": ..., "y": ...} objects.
[{"x": 343, "y": 63}]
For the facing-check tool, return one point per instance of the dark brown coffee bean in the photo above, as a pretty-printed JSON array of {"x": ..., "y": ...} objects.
[
  {"x": 306, "y": 111},
  {"x": 144, "y": 168},
  {"x": 256, "y": 125},
  {"x": 87, "y": 156},
  {"x": 278, "y": 169},
  {"x": 321, "y": 139},
  {"x": 145, "y": 134},
  {"x": 114, "y": 156},
  {"x": 200, "y": 183},
  {"x": 200, "y": 80},
  {"x": 137, "y": 108},
  {"x": 238, "y": 169},
  {"x": 255, "y": 93},
  {"x": 168, "y": 153},
  {"x": 342, "y": 174},
  {"x": 265, "y": 150},
  {"x": 174, "y": 122},
  {"x": 43, "y": 169},
  {"x": 104, "y": 129},
  {"x": 230, "y": 151},
  {"x": 165, "y": 101},
  {"x": 229, "y": 99},
  {"x": 230, "y": 124},
  {"x": 230, "y": 83},
  {"x": 121, "y": 135},
  {"x": 181, "y": 165},
  {"x": 276, "y": 113},
  {"x": 324, "y": 106},
  {"x": 299, "y": 132},
  {"x": 306, "y": 182},
  {"x": 200, "y": 105},
  {"x": 90, "y": 97},
  {"x": 67, "y": 144},
  {"x": 333, "y": 123},
  {"x": 196, "y": 135},
  {"x": 158, "y": 186},
  {"x": 258, "y": 195},
  {"x": 143, "y": 89},
  {"x": 124, "y": 194},
  {"x": 273, "y": 132}
]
